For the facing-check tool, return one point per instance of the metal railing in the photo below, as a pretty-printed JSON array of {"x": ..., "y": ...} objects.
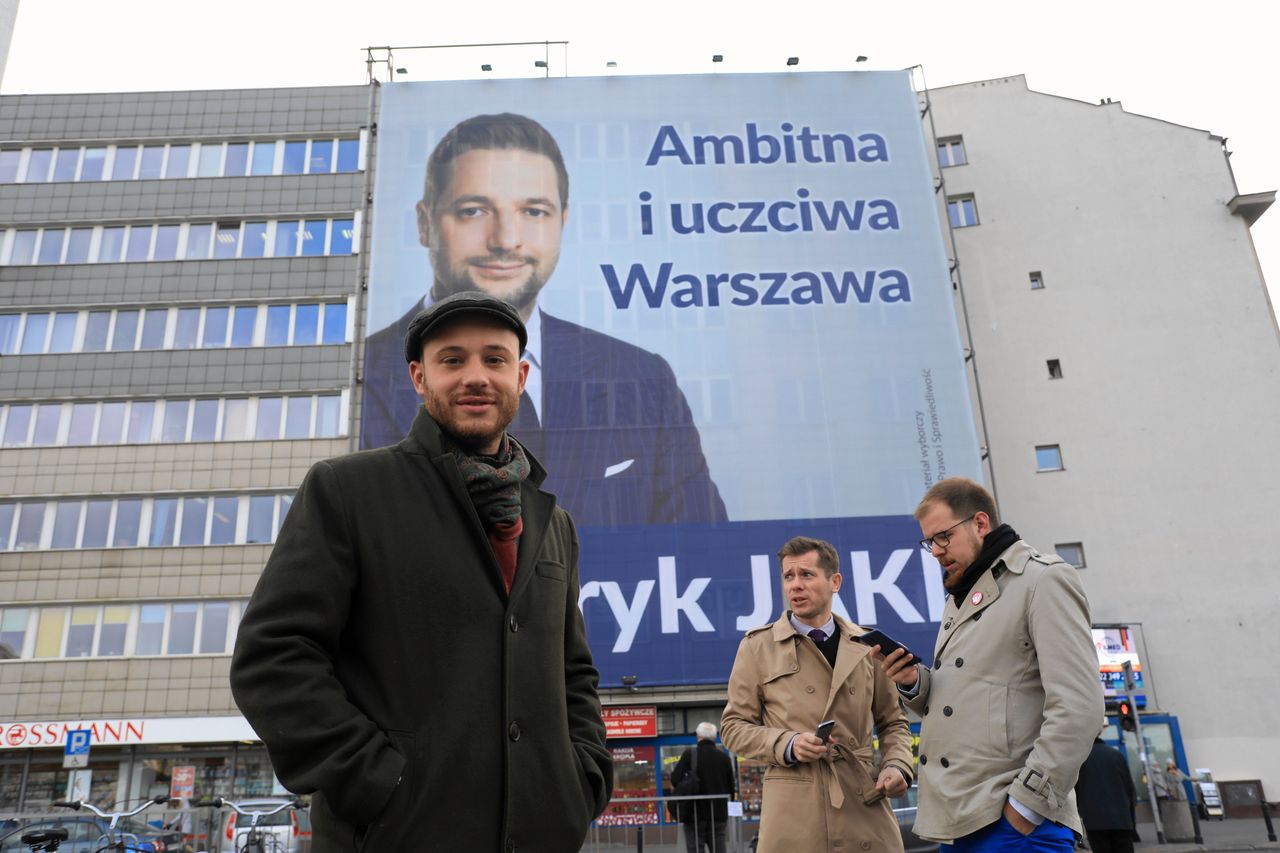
[{"x": 647, "y": 824}]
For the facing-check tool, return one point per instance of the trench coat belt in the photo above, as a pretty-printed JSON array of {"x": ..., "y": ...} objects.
[{"x": 841, "y": 752}]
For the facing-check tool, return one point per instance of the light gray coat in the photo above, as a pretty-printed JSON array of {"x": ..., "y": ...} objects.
[{"x": 1013, "y": 701}]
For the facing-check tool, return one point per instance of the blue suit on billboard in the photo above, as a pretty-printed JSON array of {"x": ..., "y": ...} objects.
[{"x": 616, "y": 434}]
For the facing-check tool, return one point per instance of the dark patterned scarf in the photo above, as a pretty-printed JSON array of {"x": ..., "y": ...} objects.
[{"x": 494, "y": 481}]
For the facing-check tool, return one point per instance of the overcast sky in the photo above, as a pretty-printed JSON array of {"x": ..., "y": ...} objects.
[{"x": 1209, "y": 66}]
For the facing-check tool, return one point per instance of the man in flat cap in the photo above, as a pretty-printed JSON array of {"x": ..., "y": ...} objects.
[
  {"x": 606, "y": 416},
  {"x": 413, "y": 655}
]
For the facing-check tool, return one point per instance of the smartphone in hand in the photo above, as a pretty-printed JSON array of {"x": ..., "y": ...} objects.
[
  {"x": 824, "y": 730},
  {"x": 888, "y": 645}
]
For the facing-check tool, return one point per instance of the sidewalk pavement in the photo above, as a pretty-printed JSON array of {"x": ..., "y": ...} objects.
[{"x": 1219, "y": 835}]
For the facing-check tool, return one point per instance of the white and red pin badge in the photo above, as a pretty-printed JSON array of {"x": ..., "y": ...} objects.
[{"x": 976, "y": 599}]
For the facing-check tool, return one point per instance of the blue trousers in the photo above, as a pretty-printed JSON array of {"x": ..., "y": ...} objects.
[{"x": 1001, "y": 837}]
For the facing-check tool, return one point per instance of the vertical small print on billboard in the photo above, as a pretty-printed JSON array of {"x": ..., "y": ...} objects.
[{"x": 741, "y": 329}]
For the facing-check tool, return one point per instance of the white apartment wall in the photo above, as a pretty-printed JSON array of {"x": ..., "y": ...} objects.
[{"x": 1169, "y": 410}]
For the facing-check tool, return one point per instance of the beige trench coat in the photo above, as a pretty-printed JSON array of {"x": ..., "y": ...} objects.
[
  {"x": 1013, "y": 702},
  {"x": 782, "y": 685}
]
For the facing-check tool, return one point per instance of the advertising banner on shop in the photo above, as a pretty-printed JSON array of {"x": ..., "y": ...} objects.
[{"x": 741, "y": 326}]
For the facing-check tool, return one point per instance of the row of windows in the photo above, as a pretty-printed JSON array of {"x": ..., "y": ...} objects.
[
  {"x": 172, "y": 421},
  {"x": 194, "y": 241},
  {"x": 158, "y": 522},
  {"x": 208, "y": 327},
  {"x": 196, "y": 160},
  {"x": 121, "y": 630}
]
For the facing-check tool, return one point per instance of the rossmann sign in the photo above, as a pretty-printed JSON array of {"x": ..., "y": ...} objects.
[{"x": 53, "y": 733}]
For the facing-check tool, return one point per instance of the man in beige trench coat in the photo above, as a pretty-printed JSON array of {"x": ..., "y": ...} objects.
[
  {"x": 1013, "y": 701},
  {"x": 789, "y": 676}
]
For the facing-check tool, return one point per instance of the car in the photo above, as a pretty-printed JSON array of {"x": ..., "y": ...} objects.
[
  {"x": 85, "y": 832},
  {"x": 291, "y": 828}
]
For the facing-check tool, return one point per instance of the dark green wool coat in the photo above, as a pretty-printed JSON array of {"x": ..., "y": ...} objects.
[{"x": 381, "y": 645}]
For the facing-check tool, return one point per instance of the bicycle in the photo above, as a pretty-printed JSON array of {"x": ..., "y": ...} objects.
[
  {"x": 256, "y": 840},
  {"x": 49, "y": 840}
]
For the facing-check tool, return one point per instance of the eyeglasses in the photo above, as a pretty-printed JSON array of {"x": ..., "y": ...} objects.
[{"x": 943, "y": 539}]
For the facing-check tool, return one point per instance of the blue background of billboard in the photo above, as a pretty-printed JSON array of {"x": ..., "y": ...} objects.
[{"x": 723, "y": 553}]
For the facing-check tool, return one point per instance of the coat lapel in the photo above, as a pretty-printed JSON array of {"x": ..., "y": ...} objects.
[
  {"x": 536, "y": 507},
  {"x": 849, "y": 656},
  {"x": 986, "y": 590}
]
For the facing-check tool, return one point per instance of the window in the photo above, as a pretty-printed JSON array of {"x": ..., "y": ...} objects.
[
  {"x": 151, "y": 163},
  {"x": 264, "y": 158},
  {"x": 962, "y": 211},
  {"x": 95, "y": 332},
  {"x": 348, "y": 155},
  {"x": 84, "y": 624},
  {"x": 66, "y": 524},
  {"x": 174, "y": 428},
  {"x": 246, "y": 317},
  {"x": 182, "y": 629},
  {"x": 38, "y": 165},
  {"x": 313, "y": 237},
  {"x": 141, "y": 417},
  {"x": 297, "y": 421},
  {"x": 126, "y": 163},
  {"x": 18, "y": 426},
  {"x": 179, "y": 157},
  {"x": 226, "y": 512},
  {"x": 1055, "y": 368},
  {"x": 295, "y": 158},
  {"x": 215, "y": 327},
  {"x": 97, "y": 517},
  {"x": 166, "y": 243},
  {"x": 210, "y": 165},
  {"x": 278, "y": 325},
  {"x": 111, "y": 424},
  {"x": 64, "y": 331},
  {"x": 151, "y": 621},
  {"x": 9, "y": 159},
  {"x": 91, "y": 169},
  {"x": 51, "y": 246},
  {"x": 261, "y": 519},
  {"x": 1037, "y": 280},
  {"x": 33, "y": 335},
  {"x": 335, "y": 323},
  {"x": 321, "y": 156},
  {"x": 305, "y": 320},
  {"x": 82, "y": 417},
  {"x": 128, "y": 521},
  {"x": 1048, "y": 457},
  {"x": 13, "y": 626},
  {"x": 343, "y": 232},
  {"x": 195, "y": 511},
  {"x": 30, "y": 524},
  {"x": 115, "y": 625},
  {"x": 269, "y": 411},
  {"x": 213, "y": 630},
  {"x": 126, "y": 331},
  {"x": 951, "y": 152},
  {"x": 164, "y": 513},
  {"x": 237, "y": 164},
  {"x": 204, "y": 421},
  {"x": 78, "y": 246},
  {"x": 64, "y": 165},
  {"x": 1072, "y": 552},
  {"x": 153, "y": 325}
]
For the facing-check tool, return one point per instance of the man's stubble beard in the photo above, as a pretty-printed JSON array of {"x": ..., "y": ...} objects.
[
  {"x": 471, "y": 437},
  {"x": 448, "y": 282}
]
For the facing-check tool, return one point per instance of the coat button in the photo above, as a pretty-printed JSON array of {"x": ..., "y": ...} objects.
[
  {"x": 513, "y": 624},
  {"x": 959, "y": 662},
  {"x": 946, "y": 711},
  {"x": 808, "y": 689},
  {"x": 866, "y": 845},
  {"x": 924, "y": 759},
  {"x": 948, "y": 625},
  {"x": 794, "y": 667},
  {"x": 978, "y": 615},
  {"x": 513, "y": 731},
  {"x": 944, "y": 761}
]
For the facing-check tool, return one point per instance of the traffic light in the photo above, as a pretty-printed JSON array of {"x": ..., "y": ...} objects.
[{"x": 1126, "y": 717}]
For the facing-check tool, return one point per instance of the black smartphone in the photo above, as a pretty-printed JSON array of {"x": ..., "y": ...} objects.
[
  {"x": 824, "y": 730},
  {"x": 888, "y": 645}
]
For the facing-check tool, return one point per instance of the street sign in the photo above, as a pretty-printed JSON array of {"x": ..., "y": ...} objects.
[{"x": 77, "y": 749}]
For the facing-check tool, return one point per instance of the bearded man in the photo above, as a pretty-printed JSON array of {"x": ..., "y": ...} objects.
[{"x": 413, "y": 655}]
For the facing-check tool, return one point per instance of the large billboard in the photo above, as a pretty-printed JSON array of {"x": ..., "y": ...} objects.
[{"x": 741, "y": 330}]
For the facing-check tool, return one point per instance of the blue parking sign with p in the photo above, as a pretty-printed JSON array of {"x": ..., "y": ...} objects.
[{"x": 77, "y": 749}]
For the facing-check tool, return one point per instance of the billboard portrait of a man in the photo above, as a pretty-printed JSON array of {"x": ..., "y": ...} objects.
[{"x": 605, "y": 417}]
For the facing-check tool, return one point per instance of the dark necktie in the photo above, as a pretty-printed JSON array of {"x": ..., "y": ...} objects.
[{"x": 818, "y": 636}]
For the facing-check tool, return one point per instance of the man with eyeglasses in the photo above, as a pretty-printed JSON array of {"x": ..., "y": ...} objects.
[{"x": 1012, "y": 703}]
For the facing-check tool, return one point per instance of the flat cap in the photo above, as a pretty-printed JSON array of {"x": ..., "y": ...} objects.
[{"x": 455, "y": 306}]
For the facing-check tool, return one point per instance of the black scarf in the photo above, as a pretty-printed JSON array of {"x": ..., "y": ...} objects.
[
  {"x": 493, "y": 481},
  {"x": 993, "y": 546}
]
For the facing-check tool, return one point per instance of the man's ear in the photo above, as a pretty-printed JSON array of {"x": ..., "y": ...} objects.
[
  {"x": 424, "y": 224},
  {"x": 418, "y": 377},
  {"x": 836, "y": 580},
  {"x": 982, "y": 523}
]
